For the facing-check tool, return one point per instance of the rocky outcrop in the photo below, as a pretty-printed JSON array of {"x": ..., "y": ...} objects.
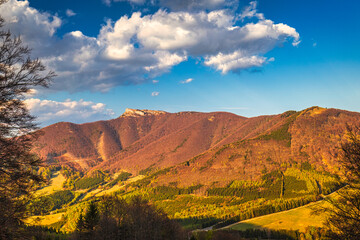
[{"x": 138, "y": 112}]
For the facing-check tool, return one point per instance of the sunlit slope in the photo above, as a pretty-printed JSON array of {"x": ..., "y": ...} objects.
[
  {"x": 136, "y": 140},
  {"x": 196, "y": 206},
  {"x": 294, "y": 219},
  {"x": 145, "y": 139},
  {"x": 56, "y": 183}
]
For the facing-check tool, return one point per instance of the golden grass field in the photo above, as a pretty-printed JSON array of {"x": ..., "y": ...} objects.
[
  {"x": 56, "y": 184},
  {"x": 294, "y": 219},
  {"x": 100, "y": 192},
  {"x": 44, "y": 220}
]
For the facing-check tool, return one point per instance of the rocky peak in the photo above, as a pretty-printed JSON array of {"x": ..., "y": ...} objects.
[{"x": 138, "y": 112}]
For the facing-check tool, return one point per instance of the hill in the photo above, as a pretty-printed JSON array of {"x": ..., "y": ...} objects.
[
  {"x": 153, "y": 138},
  {"x": 199, "y": 168},
  {"x": 294, "y": 219},
  {"x": 199, "y": 145}
]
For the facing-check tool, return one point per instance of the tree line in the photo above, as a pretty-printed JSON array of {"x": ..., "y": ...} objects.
[{"x": 114, "y": 218}]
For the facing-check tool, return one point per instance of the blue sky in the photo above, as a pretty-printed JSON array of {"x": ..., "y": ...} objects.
[{"x": 249, "y": 58}]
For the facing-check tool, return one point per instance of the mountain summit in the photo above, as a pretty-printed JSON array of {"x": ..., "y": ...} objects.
[
  {"x": 138, "y": 112},
  {"x": 211, "y": 143}
]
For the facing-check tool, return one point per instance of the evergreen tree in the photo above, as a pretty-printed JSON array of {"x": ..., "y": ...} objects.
[{"x": 91, "y": 217}]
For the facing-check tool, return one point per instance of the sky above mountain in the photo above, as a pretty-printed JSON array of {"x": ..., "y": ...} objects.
[{"x": 246, "y": 57}]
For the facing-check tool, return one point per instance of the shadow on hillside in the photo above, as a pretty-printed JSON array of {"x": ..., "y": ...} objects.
[{"x": 246, "y": 234}]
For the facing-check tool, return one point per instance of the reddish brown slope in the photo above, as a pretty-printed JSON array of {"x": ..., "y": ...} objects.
[
  {"x": 181, "y": 136},
  {"x": 136, "y": 140},
  {"x": 313, "y": 135},
  {"x": 231, "y": 145}
]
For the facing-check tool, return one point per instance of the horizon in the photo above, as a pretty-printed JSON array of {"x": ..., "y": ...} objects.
[{"x": 159, "y": 110}]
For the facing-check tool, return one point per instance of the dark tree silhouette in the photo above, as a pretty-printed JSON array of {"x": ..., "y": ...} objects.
[
  {"x": 18, "y": 74},
  {"x": 351, "y": 155},
  {"x": 344, "y": 213},
  {"x": 86, "y": 223},
  {"x": 91, "y": 217},
  {"x": 134, "y": 220}
]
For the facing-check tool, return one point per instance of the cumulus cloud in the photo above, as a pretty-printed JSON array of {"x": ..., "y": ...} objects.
[
  {"x": 49, "y": 112},
  {"x": 70, "y": 13},
  {"x": 139, "y": 47},
  {"x": 31, "y": 93},
  {"x": 189, "y": 80},
  {"x": 155, "y": 94},
  {"x": 235, "y": 61},
  {"x": 37, "y": 29}
]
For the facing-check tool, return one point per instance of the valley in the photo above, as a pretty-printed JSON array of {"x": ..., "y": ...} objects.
[{"x": 201, "y": 169}]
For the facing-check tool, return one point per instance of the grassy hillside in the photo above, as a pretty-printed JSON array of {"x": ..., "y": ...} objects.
[
  {"x": 294, "y": 219},
  {"x": 56, "y": 183},
  {"x": 230, "y": 169},
  {"x": 196, "y": 206}
]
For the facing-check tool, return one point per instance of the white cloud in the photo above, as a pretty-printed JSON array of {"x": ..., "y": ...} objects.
[
  {"x": 49, "y": 112},
  {"x": 36, "y": 28},
  {"x": 235, "y": 61},
  {"x": 251, "y": 11},
  {"x": 189, "y": 80},
  {"x": 70, "y": 13},
  {"x": 155, "y": 81},
  {"x": 31, "y": 93},
  {"x": 136, "y": 48},
  {"x": 154, "y": 94}
]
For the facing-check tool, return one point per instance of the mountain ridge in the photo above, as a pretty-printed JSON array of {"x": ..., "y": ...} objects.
[{"x": 148, "y": 140}]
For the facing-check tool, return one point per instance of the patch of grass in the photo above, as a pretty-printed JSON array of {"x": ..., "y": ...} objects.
[
  {"x": 44, "y": 220},
  {"x": 294, "y": 219},
  {"x": 56, "y": 183}
]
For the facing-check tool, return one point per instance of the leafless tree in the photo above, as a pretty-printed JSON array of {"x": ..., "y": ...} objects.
[
  {"x": 344, "y": 213},
  {"x": 18, "y": 75}
]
